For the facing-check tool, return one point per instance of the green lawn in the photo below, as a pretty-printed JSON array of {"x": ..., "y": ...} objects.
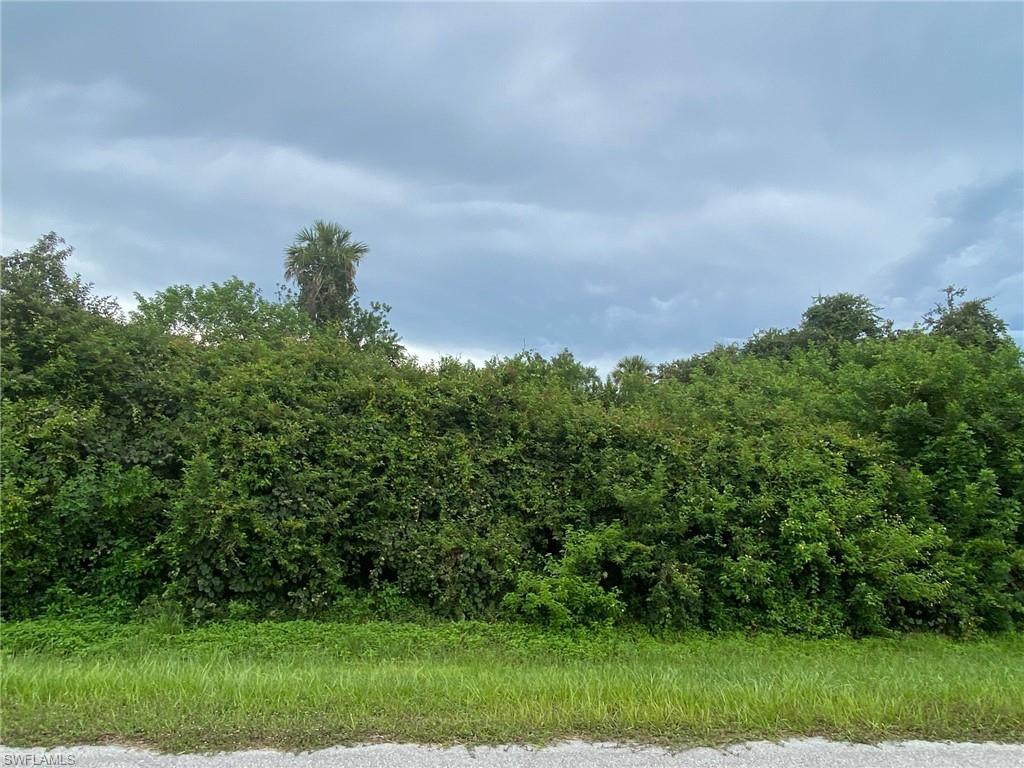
[{"x": 304, "y": 684}]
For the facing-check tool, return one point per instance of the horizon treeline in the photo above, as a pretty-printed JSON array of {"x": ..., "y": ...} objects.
[{"x": 223, "y": 454}]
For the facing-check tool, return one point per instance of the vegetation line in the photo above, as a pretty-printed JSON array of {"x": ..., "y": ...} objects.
[{"x": 225, "y": 455}]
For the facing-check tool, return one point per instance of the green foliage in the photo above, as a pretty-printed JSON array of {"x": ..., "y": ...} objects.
[
  {"x": 561, "y": 601},
  {"x": 234, "y": 311},
  {"x": 842, "y": 317},
  {"x": 829, "y": 321},
  {"x": 234, "y": 457},
  {"x": 969, "y": 322},
  {"x": 323, "y": 261}
]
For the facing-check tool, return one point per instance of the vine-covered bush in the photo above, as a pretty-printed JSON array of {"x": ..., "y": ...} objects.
[{"x": 221, "y": 451}]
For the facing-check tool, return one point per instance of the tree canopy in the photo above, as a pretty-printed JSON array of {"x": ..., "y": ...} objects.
[
  {"x": 322, "y": 262},
  {"x": 236, "y": 455},
  {"x": 969, "y": 321}
]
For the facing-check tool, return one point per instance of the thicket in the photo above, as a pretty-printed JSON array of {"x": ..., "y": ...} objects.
[{"x": 245, "y": 457}]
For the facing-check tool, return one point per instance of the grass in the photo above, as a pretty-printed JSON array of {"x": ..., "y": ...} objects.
[{"x": 298, "y": 685}]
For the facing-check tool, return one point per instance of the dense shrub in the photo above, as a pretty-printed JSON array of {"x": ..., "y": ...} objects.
[{"x": 219, "y": 451}]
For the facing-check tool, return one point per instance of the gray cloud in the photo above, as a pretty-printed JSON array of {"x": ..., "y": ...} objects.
[
  {"x": 614, "y": 179},
  {"x": 976, "y": 240}
]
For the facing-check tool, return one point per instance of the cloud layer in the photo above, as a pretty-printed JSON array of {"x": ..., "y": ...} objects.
[{"x": 616, "y": 179}]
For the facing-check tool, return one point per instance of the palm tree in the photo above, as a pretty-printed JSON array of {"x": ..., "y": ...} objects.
[
  {"x": 633, "y": 367},
  {"x": 323, "y": 261}
]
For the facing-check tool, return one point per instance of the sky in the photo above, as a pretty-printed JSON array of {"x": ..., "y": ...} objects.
[{"x": 612, "y": 179}]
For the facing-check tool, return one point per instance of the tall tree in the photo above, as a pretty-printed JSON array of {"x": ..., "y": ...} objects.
[
  {"x": 44, "y": 308},
  {"x": 842, "y": 317},
  {"x": 323, "y": 261},
  {"x": 970, "y": 322},
  {"x": 632, "y": 368}
]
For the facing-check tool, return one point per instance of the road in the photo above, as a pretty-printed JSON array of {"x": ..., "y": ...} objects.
[{"x": 804, "y": 753}]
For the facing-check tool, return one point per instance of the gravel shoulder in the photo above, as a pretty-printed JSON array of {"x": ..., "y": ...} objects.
[{"x": 805, "y": 753}]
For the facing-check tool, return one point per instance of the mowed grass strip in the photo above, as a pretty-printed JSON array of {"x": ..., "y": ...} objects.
[{"x": 299, "y": 685}]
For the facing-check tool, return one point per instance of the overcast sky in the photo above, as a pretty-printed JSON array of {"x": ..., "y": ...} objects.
[{"x": 614, "y": 179}]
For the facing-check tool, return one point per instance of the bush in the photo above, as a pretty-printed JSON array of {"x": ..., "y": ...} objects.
[
  {"x": 562, "y": 601},
  {"x": 256, "y": 465}
]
